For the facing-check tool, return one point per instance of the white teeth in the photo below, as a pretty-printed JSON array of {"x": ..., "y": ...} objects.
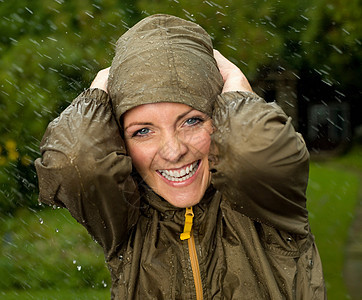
[{"x": 189, "y": 171}]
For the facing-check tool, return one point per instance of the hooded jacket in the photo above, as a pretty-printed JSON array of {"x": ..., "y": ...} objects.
[{"x": 250, "y": 236}]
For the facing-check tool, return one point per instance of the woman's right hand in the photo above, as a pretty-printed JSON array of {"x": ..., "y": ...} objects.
[{"x": 101, "y": 80}]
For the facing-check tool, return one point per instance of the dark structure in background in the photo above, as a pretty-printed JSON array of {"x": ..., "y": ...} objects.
[{"x": 319, "y": 112}]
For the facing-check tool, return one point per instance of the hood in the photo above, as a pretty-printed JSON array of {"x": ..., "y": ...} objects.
[{"x": 164, "y": 59}]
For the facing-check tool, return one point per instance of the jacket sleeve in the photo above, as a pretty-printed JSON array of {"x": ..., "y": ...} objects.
[
  {"x": 261, "y": 163},
  {"x": 84, "y": 168}
]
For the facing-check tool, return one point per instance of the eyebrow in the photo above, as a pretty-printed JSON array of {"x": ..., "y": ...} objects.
[
  {"x": 150, "y": 123},
  {"x": 138, "y": 123}
]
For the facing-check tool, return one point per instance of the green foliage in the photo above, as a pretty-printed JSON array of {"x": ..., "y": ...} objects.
[
  {"x": 48, "y": 249},
  {"x": 323, "y": 35},
  {"x": 332, "y": 44},
  {"x": 50, "y": 51},
  {"x": 239, "y": 28}
]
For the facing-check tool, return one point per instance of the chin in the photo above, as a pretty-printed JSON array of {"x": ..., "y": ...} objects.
[{"x": 182, "y": 201}]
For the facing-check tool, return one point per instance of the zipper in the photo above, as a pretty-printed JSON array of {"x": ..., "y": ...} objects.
[
  {"x": 195, "y": 267},
  {"x": 188, "y": 234}
]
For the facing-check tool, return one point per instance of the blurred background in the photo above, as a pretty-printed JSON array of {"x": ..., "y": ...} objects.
[{"x": 306, "y": 55}]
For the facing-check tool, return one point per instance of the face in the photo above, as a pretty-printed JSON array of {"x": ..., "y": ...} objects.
[{"x": 169, "y": 146}]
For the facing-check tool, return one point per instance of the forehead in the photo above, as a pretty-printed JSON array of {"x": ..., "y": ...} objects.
[{"x": 155, "y": 111}]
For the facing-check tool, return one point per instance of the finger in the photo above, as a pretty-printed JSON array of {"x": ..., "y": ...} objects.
[{"x": 101, "y": 80}]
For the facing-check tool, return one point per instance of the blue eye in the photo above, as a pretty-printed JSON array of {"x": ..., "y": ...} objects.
[
  {"x": 141, "y": 132},
  {"x": 193, "y": 121}
]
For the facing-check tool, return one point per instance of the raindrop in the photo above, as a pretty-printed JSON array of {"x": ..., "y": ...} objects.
[
  {"x": 207, "y": 2},
  {"x": 74, "y": 262},
  {"x": 13, "y": 40},
  {"x": 104, "y": 283},
  {"x": 327, "y": 82},
  {"x": 41, "y": 221},
  {"x": 56, "y": 230},
  {"x": 296, "y": 75},
  {"x": 52, "y": 39},
  {"x": 337, "y": 49},
  {"x": 231, "y": 47},
  {"x": 79, "y": 268},
  {"x": 338, "y": 92},
  {"x": 29, "y": 10},
  {"x": 220, "y": 13},
  {"x": 89, "y": 14}
]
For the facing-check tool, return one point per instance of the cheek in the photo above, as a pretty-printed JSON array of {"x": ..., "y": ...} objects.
[
  {"x": 201, "y": 142},
  {"x": 141, "y": 157}
]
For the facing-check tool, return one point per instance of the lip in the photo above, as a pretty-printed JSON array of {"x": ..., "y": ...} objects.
[{"x": 185, "y": 182}]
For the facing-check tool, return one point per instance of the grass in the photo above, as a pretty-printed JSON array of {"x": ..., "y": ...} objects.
[
  {"x": 49, "y": 250},
  {"x": 333, "y": 195},
  {"x": 57, "y": 294},
  {"x": 47, "y": 255}
]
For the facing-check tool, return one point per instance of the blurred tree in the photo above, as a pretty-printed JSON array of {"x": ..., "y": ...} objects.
[
  {"x": 318, "y": 41},
  {"x": 324, "y": 35},
  {"x": 50, "y": 50},
  {"x": 238, "y": 28}
]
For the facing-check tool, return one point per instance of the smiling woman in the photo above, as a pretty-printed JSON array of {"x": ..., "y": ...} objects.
[
  {"x": 169, "y": 146},
  {"x": 193, "y": 185}
]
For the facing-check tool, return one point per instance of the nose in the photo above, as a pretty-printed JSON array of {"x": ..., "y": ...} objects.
[{"x": 173, "y": 148}]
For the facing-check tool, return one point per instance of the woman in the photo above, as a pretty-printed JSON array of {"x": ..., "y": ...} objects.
[{"x": 191, "y": 183}]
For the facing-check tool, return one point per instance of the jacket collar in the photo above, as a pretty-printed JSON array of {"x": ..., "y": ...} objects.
[{"x": 167, "y": 210}]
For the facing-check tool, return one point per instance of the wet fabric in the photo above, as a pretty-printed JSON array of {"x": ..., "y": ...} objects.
[
  {"x": 164, "y": 59},
  {"x": 252, "y": 235},
  {"x": 251, "y": 228}
]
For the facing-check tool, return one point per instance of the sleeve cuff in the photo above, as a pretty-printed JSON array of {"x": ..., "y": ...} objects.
[{"x": 93, "y": 94}]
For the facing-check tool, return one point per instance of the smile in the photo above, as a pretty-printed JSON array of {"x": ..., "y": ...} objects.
[{"x": 181, "y": 174}]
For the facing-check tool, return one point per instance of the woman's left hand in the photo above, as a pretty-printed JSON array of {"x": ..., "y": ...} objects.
[
  {"x": 234, "y": 79},
  {"x": 101, "y": 80}
]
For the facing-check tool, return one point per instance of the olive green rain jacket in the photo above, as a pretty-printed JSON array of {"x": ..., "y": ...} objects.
[{"x": 248, "y": 238}]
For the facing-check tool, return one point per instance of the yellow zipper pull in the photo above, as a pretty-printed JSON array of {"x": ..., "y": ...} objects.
[{"x": 189, "y": 215}]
